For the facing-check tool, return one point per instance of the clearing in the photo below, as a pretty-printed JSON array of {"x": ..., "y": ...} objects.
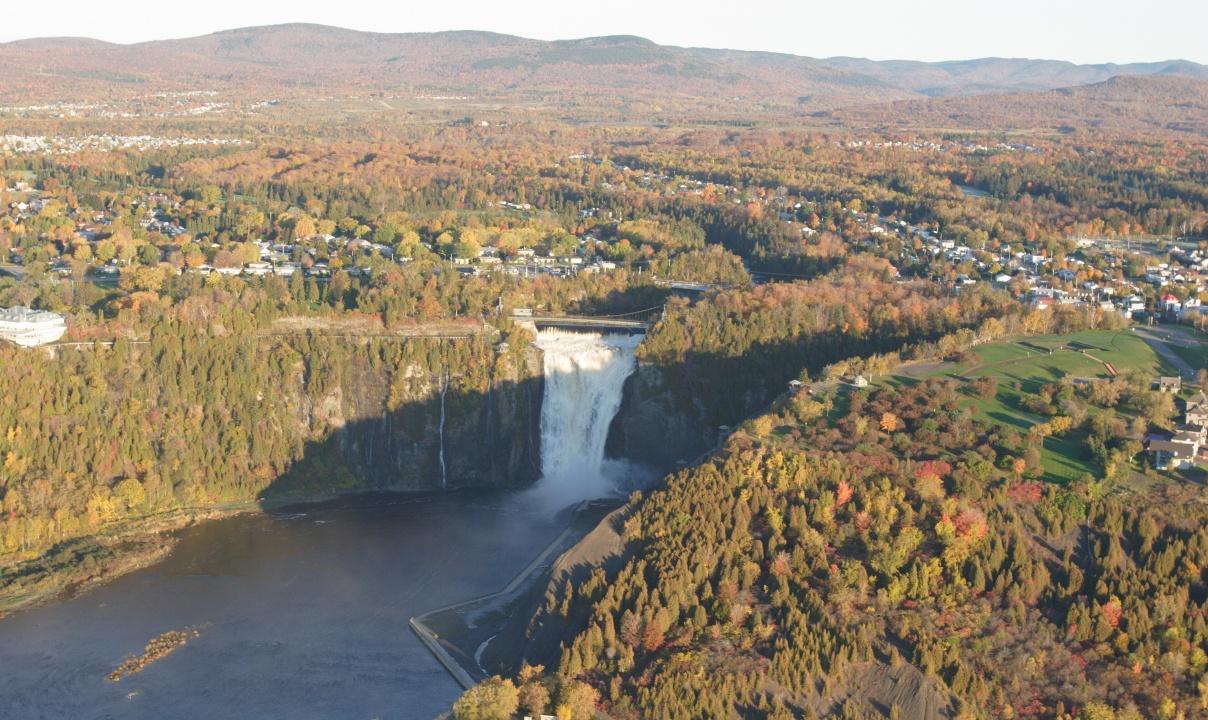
[{"x": 1023, "y": 365}]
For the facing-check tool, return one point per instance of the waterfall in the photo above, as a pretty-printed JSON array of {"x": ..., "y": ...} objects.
[
  {"x": 445, "y": 387},
  {"x": 584, "y": 376}
]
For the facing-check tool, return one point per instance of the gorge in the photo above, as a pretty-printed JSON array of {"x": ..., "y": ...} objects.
[{"x": 423, "y": 418}]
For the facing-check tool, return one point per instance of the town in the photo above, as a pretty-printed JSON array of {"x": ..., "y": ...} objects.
[{"x": 1144, "y": 278}]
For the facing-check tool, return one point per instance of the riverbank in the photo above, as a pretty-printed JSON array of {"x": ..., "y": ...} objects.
[
  {"x": 82, "y": 564},
  {"x": 459, "y": 634},
  {"x": 303, "y": 613},
  {"x": 79, "y": 565}
]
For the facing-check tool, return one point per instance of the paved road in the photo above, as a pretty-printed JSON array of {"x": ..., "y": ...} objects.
[
  {"x": 584, "y": 322},
  {"x": 1157, "y": 338}
]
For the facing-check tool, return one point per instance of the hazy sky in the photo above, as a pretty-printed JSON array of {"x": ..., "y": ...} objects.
[{"x": 1078, "y": 30}]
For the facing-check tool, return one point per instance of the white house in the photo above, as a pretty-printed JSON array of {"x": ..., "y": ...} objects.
[{"x": 30, "y": 328}]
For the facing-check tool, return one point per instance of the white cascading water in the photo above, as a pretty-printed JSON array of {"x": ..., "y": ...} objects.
[
  {"x": 444, "y": 470},
  {"x": 584, "y": 377}
]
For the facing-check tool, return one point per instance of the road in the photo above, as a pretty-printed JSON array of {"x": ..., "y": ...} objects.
[
  {"x": 566, "y": 321},
  {"x": 1157, "y": 338}
]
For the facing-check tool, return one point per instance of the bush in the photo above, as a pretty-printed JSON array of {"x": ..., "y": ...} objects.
[
  {"x": 577, "y": 701},
  {"x": 492, "y": 699},
  {"x": 984, "y": 387}
]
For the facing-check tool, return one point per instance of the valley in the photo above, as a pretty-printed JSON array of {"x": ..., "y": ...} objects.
[{"x": 467, "y": 375}]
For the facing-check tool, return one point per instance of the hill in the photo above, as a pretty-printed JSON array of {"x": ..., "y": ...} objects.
[
  {"x": 988, "y": 75},
  {"x": 315, "y": 58},
  {"x": 1152, "y": 104}
]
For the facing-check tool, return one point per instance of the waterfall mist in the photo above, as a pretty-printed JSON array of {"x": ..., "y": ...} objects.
[{"x": 584, "y": 377}]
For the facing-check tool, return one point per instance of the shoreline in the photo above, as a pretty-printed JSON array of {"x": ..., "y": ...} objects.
[
  {"x": 128, "y": 547},
  {"x": 449, "y": 647},
  {"x": 62, "y": 572}
]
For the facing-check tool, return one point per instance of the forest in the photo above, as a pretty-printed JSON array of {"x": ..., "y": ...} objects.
[
  {"x": 297, "y": 315},
  {"x": 853, "y": 534}
]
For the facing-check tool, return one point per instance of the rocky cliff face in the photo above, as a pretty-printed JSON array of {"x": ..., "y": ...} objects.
[
  {"x": 657, "y": 424},
  {"x": 470, "y": 419},
  {"x": 488, "y": 439},
  {"x": 383, "y": 422}
]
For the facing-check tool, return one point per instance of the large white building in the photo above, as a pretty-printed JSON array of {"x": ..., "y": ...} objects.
[{"x": 30, "y": 328}]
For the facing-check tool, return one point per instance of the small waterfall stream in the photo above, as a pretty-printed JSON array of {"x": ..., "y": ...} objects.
[
  {"x": 444, "y": 471},
  {"x": 584, "y": 377}
]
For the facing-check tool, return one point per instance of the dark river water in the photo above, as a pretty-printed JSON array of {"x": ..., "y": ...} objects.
[{"x": 301, "y": 615}]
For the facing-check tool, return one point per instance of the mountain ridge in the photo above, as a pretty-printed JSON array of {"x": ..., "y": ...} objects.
[
  {"x": 486, "y": 63},
  {"x": 1162, "y": 106}
]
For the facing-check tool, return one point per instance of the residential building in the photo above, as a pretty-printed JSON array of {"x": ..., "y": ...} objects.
[
  {"x": 30, "y": 328},
  {"x": 1168, "y": 384},
  {"x": 1166, "y": 454}
]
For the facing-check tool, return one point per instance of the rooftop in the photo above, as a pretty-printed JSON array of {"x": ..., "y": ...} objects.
[{"x": 28, "y": 315}]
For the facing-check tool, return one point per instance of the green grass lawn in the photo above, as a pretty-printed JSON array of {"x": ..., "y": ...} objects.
[
  {"x": 1195, "y": 356},
  {"x": 1022, "y": 360},
  {"x": 1022, "y": 366}
]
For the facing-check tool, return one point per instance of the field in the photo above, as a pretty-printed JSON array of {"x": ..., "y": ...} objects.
[
  {"x": 1023, "y": 365},
  {"x": 1188, "y": 343}
]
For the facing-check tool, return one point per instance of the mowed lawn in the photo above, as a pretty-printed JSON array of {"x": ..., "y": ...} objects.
[
  {"x": 1193, "y": 349},
  {"x": 1023, "y": 365}
]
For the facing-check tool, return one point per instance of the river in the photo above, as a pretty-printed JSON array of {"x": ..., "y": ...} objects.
[{"x": 302, "y": 615}]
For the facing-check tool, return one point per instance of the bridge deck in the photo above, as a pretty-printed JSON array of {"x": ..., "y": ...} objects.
[
  {"x": 582, "y": 322},
  {"x": 689, "y": 286}
]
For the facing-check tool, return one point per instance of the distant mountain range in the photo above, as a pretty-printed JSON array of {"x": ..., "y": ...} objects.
[
  {"x": 995, "y": 75},
  {"x": 303, "y": 58},
  {"x": 1154, "y": 104}
]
